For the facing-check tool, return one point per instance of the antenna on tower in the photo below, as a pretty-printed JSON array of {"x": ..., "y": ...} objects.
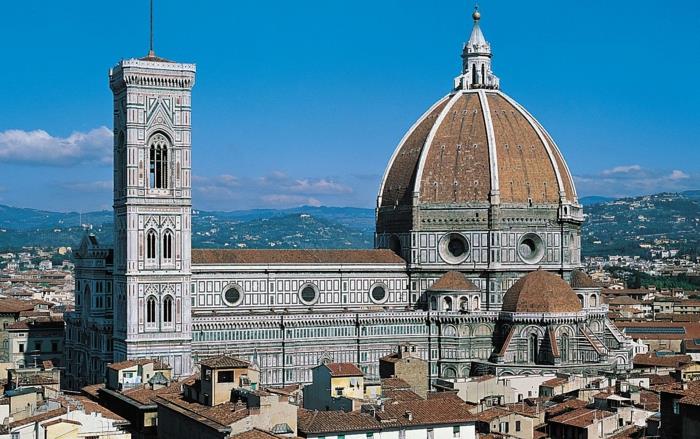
[{"x": 151, "y": 53}]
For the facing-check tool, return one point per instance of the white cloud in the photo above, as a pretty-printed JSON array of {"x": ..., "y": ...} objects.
[
  {"x": 88, "y": 186},
  {"x": 678, "y": 175},
  {"x": 622, "y": 181},
  {"x": 628, "y": 169},
  {"x": 275, "y": 189},
  {"x": 290, "y": 200},
  {"x": 41, "y": 148}
]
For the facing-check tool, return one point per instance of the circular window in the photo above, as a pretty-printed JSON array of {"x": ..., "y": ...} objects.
[
  {"x": 531, "y": 248},
  {"x": 378, "y": 293},
  {"x": 454, "y": 248},
  {"x": 308, "y": 294},
  {"x": 233, "y": 295}
]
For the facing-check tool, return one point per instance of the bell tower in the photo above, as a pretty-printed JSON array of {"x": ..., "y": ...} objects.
[{"x": 152, "y": 210}]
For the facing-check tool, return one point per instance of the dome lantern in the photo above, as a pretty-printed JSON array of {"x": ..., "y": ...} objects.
[{"x": 476, "y": 60}]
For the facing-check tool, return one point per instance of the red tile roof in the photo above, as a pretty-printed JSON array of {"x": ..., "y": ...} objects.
[
  {"x": 652, "y": 359},
  {"x": 344, "y": 370},
  {"x": 258, "y": 257},
  {"x": 541, "y": 292},
  {"x": 453, "y": 281},
  {"x": 582, "y": 417},
  {"x": 392, "y": 415},
  {"x": 224, "y": 361}
]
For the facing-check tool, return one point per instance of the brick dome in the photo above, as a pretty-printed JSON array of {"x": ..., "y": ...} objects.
[
  {"x": 541, "y": 292},
  {"x": 476, "y": 146}
]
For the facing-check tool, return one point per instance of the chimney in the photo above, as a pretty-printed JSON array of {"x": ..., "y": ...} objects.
[
  {"x": 684, "y": 386},
  {"x": 409, "y": 415}
]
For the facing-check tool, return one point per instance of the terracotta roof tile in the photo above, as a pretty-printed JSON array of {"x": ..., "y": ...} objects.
[
  {"x": 391, "y": 416},
  {"x": 223, "y": 414},
  {"x": 10, "y": 305},
  {"x": 394, "y": 383},
  {"x": 453, "y": 281},
  {"x": 344, "y": 370},
  {"x": 579, "y": 279},
  {"x": 541, "y": 292},
  {"x": 653, "y": 359},
  {"x": 258, "y": 257},
  {"x": 224, "y": 361},
  {"x": 401, "y": 175},
  {"x": 581, "y": 417},
  {"x": 158, "y": 365}
]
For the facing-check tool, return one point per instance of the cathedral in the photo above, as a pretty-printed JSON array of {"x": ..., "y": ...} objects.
[{"x": 476, "y": 259}]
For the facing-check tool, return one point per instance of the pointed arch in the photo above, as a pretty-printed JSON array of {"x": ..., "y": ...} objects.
[
  {"x": 151, "y": 240},
  {"x": 168, "y": 309},
  {"x": 151, "y": 310},
  {"x": 168, "y": 239},
  {"x": 159, "y": 146}
]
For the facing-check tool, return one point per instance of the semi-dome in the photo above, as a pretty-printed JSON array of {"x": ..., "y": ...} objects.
[
  {"x": 476, "y": 146},
  {"x": 541, "y": 292},
  {"x": 454, "y": 281}
]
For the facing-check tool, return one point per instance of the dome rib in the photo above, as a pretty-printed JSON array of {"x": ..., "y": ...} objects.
[
  {"x": 493, "y": 153},
  {"x": 545, "y": 141},
  {"x": 401, "y": 169},
  {"x": 429, "y": 142},
  {"x": 455, "y": 165}
]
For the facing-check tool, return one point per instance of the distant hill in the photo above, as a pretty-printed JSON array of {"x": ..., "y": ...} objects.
[
  {"x": 302, "y": 227},
  {"x": 633, "y": 226},
  {"x": 626, "y": 226},
  {"x": 594, "y": 199}
]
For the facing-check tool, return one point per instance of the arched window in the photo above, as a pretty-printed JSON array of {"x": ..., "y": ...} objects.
[
  {"x": 580, "y": 299},
  {"x": 168, "y": 246},
  {"x": 564, "y": 347},
  {"x": 463, "y": 304},
  {"x": 151, "y": 244},
  {"x": 483, "y": 73},
  {"x": 475, "y": 303},
  {"x": 168, "y": 310},
  {"x": 447, "y": 304},
  {"x": 533, "y": 348},
  {"x": 158, "y": 168},
  {"x": 433, "y": 304},
  {"x": 151, "y": 310},
  {"x": 594, "y": 301},
  {"x": 473, "y": 74}
]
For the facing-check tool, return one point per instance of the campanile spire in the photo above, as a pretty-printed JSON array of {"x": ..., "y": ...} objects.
[{"x": 476, "y": 60}]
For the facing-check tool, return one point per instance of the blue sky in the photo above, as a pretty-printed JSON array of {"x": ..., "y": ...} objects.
[{"x": 303, "y": 102}]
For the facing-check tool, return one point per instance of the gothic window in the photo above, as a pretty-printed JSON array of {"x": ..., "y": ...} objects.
[
  {"x": 168, "y": 246},
  {"x": 151, "y": 245},
  {"x": 158, "y": 168},
  {"x": 168, "y": 310},
  {"x": 483, "y": 73},
  {"x": 433, "y": 304},
  {"x": 565, "y": 347},
  {"x": 473, "y": 74},
  {"x": 151, "y": 310}
]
